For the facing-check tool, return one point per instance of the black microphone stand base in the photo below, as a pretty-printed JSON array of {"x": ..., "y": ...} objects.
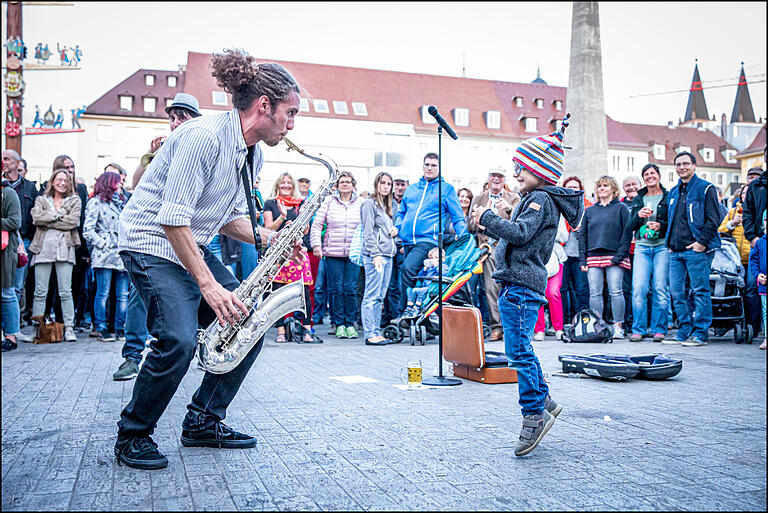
[{"x": 440, "y": 381}]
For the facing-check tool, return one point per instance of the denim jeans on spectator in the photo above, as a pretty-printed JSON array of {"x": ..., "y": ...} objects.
[
  {"x": 136, "y": 333},
  {"x": 752, "y": 308},
  {"x": 696, "y": 266},
  {"x": 519, "y": 308},
  {"x": 64, "y": 279},
  {"x": 10, "y": 311},
  {"x": 575, "y": 289},
  {"x": 249, "y": 259},
  {"x": 175, "y": 308},
  {"x": 376, "y": 283},
  {"x": 650, "y": 271},
  {"x": 215, "y": 247},
  {"x": 626, "y": 290},
  {"x": 413, "y": 262},
  {"x": 614, "y": 275},
  {"x": 391, "y": 309},
  {"x": 103, "y": 283},
  {"x": 321, "y": 294},
  {"x": 341, "y": 275},
  {"x": 21, "y": 274}
]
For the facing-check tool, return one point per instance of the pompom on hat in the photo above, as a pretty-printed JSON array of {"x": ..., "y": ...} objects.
[{"x": 543, "y": 155}]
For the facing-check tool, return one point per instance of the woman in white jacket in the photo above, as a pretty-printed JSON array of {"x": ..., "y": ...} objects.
[{"x": 554, "y": 281}]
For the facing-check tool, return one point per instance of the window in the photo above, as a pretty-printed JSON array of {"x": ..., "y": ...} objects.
[
  {"x": 558, "y": 123},
  {"x": 615, "y": 162},
  {"x": 219, "y": 98},
  {"x": 729, "y": 156},
  {"x": 461, "y": 117},
  {"x": 735, "y": 177},
  {"x": 708, "y": 154},
  {"x": 720, "y": 178},
  {"x": 531, "y": 124},
  {"x": 321, "y": 106},
  {"x": 126, "y": 102},
  {"x": 359, "y": 109},
  {"x": 132, "y": 134},
  {"x": 172, "y": 81},
  {"x": 539, "y": 103},
  {"x": 518, "y": 101},
  {"x": 391, "y": 150},
  {"x": 705, "y": 176},
  {"x": 426, "y": 118},
  {"x": 493, "y": 119},
  {"x": 671, "y": 176},
  {"x": 659, "y": 152},
  {"x": 102, "y": 161},
  {"x": 104, "y": 133},
  {"x": 340, "y": 107},
  {"x": 168, "y": 102},
  {"x": 149, "y": 80},
  {"x": 303, "y": 105},
  {"x": 150, "y": 104},
  {"x": 558, "y": 105},
  {"x": 630, "y": 164},
  {"x": 682, "y": 148}
]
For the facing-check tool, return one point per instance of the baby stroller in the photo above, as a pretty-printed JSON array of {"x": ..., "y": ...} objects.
[
  {"x": 463, "y": 259},
  {"x": 726, "y": 282}
]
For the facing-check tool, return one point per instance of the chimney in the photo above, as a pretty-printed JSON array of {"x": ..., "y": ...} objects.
[{"x": 671, "y": 125}]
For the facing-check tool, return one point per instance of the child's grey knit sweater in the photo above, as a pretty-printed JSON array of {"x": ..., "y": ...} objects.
[{"x": 527, "y": 239}]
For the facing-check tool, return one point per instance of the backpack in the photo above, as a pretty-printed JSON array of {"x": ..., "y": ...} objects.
[
  {"x": 356, "y": 246},
  {"x": 588, "y": 327}
]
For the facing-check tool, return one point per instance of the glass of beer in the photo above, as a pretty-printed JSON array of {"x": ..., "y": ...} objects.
[{"x": 412, "y": 373}]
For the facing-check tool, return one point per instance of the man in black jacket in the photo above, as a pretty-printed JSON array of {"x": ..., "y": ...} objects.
[
  {"x": 27, "y": 193},
  {"x": 754, "y": 206},
  {"x": 648, "y": 221}
]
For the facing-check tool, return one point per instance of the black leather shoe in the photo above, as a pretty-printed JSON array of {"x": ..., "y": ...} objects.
[
  {"x": 218, "y": 435},
  {"x": 139, "y": 453}
]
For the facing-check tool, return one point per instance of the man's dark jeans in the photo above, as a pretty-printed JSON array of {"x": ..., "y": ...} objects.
[
  {"x": 413, "y": 262},
  {"x": 174, "y": 310},
  {"x": 575, "y": 289}
]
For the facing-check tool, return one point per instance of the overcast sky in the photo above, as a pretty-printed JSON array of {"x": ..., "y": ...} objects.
[{"x": 647, "y": 47}]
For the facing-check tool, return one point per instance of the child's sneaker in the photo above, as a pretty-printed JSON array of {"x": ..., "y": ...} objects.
[
  {"x": 351, "y": 332},
  {"x": 341, "y": 332},
  {"x": 552, "y": 406},
  {"x": 618, "y": 332},
  {"x": 538, "y": 336},
  {"x": 534, "y": 428}
]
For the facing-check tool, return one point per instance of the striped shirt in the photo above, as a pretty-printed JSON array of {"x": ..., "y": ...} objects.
[{"x": 193, "y": 180}]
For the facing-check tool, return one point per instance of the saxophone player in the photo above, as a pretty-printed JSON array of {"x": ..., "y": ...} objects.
[{"x": 191, "y": 191}]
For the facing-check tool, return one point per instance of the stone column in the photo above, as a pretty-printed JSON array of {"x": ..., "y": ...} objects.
[{"x": 587, "y": 133}]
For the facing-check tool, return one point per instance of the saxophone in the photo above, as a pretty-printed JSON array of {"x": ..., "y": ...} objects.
[{"x": 222, "y": 348}]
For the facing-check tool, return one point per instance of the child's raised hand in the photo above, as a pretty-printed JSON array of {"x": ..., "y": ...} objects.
[
  {"x": 477, "y": 213},
  {"x": 761, "y": 279}
]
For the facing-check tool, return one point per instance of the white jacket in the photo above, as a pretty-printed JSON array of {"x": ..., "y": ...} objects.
[{"x": 558, "y": 255}]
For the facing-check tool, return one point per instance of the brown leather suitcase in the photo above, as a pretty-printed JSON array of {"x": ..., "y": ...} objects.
[{"x": 463, "y": 346}]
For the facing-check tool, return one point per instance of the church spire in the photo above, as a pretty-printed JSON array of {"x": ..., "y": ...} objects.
[
  {"x": 742, "y": 107},
  {"x": 697, "y": 106}
]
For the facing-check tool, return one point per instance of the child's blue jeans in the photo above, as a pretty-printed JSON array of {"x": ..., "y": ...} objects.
[{"x": 519, "y": 308}]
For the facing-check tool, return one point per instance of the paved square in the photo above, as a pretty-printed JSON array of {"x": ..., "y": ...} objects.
[{"x": 696, "y": 442}]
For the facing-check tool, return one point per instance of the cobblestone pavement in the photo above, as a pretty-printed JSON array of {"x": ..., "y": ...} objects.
[{"x": 696, "y": 442}]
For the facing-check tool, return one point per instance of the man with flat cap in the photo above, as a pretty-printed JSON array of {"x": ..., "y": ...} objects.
[{"x": 183, "y": 108}]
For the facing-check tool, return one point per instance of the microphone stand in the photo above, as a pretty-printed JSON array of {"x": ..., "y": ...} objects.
[{"x": 440, "y": 380}]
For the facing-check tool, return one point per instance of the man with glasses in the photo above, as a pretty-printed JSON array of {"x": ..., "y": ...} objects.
[
  {"x": 502, "y": 202},
  {"x": 692, "y": 236},
  {"x": 417, "y": 221}
]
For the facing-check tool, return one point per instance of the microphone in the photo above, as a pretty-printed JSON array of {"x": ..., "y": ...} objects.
[{"x": 442, "y": 122}]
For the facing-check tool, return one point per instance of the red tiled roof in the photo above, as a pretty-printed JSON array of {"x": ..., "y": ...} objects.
[
  {"x": 134, "y": 85},
  {"x": 757, "y": 145},
  {"x": 682, "y": 135},
  {"x": 378, "y": 89}
]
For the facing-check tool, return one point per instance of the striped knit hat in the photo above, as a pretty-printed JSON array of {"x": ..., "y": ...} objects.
[{"x": 543, "y": 155}]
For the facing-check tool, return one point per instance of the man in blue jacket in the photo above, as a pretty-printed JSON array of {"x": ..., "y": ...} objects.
[
  {"x": 417, "y": 221},
  {"x": 694, "y": 217}
]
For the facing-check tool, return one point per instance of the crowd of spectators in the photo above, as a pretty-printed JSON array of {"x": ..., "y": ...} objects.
[{"x": 640, "y": 258}]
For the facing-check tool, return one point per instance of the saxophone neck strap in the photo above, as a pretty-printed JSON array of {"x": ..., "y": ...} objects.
[{"x": 244, "y": 173}]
